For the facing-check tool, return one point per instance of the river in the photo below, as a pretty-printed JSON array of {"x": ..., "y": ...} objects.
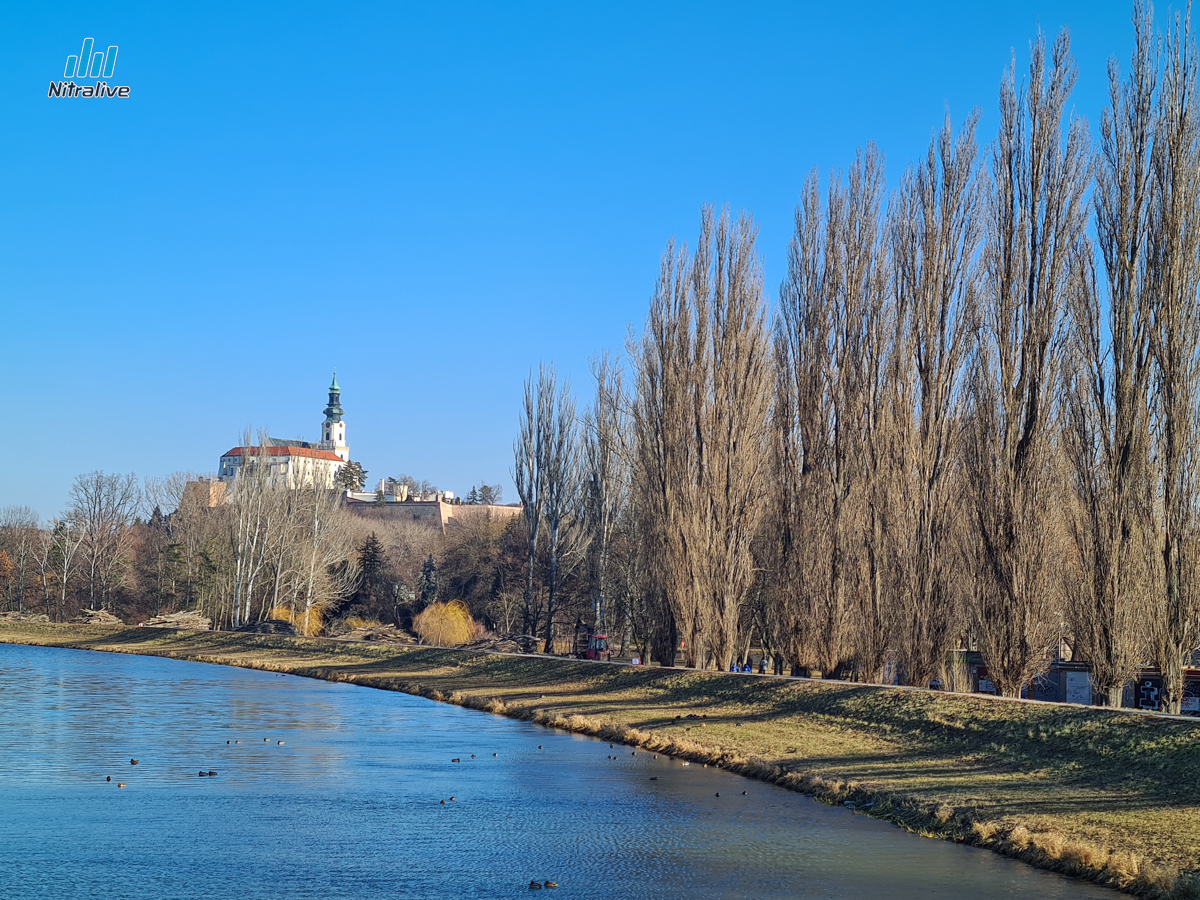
[{"x": 336, "y": 791}]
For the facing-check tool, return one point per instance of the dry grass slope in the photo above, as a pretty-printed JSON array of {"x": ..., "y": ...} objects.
[{"x": 1109, "y": 796}]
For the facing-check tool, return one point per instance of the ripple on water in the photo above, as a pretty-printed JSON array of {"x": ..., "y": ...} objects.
[{"x": 349, "y": 805}]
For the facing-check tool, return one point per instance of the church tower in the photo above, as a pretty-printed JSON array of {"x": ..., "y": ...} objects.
[{"x": 333, "y": 429}]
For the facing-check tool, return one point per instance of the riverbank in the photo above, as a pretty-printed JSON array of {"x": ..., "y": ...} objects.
[{"x": 1107, "y": 795}]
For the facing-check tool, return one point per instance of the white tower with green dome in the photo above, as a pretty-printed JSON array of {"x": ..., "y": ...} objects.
[{"x": 333, "y": 429}]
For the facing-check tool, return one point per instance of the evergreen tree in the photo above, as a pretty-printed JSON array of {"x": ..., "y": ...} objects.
[
  {"x": 473, "y": 496},
  {"x": 427, "y": 583},
  {"x": 351, "y": 477},
  {"x": 370, "y": 560}
]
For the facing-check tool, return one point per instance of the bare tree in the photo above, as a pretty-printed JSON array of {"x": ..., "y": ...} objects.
[
  {"x": 563, "y": 488},
  {"x": 704, "y": 370},
  {"x": 1036, "y": 223},
  {"x": 1108, "y": 428},
  {"x": 1174, "y": 260},
  {"x": 255, "y": 521},
  {"x": 834, "y": 424},
  {"x": 606, "y": 473},
  {"x": 104, "y": 507},
  {"x": 936, "y": 229},
  {"x": 19, "y": 535},
  {"x": 529, "y": 474},
  {"x": 328, "y": 570},
  {"x": 58, "y": 558},
  {"x": 810, "y": 628},
  {"x": 867, "y": 399}
]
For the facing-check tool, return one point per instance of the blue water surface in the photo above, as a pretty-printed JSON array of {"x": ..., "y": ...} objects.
[{"x": 349, "y": 805}]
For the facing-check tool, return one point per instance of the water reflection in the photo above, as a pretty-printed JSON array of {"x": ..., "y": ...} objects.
[{"x": 350, "y": 805}]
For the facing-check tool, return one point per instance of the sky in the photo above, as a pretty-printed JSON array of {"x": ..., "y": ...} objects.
[{"x": 428, "y": 198}]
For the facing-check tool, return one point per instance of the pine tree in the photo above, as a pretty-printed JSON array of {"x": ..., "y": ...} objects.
[
  {"x": 370, "y": 560},
  {"x": 427, "y": 583},
  {"x": 351, "y": 477}
]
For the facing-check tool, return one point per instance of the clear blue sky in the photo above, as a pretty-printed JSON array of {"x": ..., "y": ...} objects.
[{"x": 428, "y": 197}]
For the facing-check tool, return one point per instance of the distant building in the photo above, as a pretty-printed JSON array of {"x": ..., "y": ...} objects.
[
  {"x": 436, "y": 514},
  {"x": 298, "y": 463}
]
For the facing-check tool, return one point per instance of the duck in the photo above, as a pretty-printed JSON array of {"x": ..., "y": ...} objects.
[
  {"x": 654, "y": 778},
  {"x": 539, "y": 746},
  {"x": 454, "y": 799},
  {"x": 743, "y": 793},
  {"x": 109, "y": 778},
  {"x": 443, "y": 803},
  {"x": 203, "y": 774},
  {"x": 535, "y": 885},
  {"x": 211, "y": 773},
  {"x": 495, "y": 754},
  {"x": 237, "y": 742},
  {"x": 718, "y": 793},
  {"x": 120, "y": 784},
  {"x": 133, "y": 762},
  {"x": 551, "y": 884},
  {"x": 472, "y": 756},
  {"x": 280, "y": 743}
]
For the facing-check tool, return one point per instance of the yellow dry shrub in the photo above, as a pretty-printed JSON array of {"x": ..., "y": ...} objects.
[
  {"x": 308, "y": 624},
  {"x": 446, "y": 624}
]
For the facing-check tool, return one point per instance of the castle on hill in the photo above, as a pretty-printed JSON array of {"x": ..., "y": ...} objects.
[{"x": 298, "y": 463}]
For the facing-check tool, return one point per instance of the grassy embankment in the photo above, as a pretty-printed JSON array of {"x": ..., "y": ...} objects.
[{"x": 1110, "y": 796}]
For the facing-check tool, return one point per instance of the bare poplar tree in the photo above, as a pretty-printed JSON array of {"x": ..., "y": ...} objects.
[
  {"x": 1108, "y": 428},
  {"x": 704, "y": 370},
  {"x": 529, "y": 475},
  {"x": 802, "y": 451},
  {"x": 563, "y": 487},
  {"x": 1174, "y": 251},
  {"x": 866, "y": 403},
  {"x": 936, "y": 229},
  {"x": 1037, "y": 218},
  {"x": 663, "y": 362},
  {"x": 834, "y": 434},
  {"x": 606, "y": 473}
]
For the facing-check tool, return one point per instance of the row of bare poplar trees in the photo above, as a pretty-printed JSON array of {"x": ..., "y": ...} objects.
[{"x": 970, "y": 420}]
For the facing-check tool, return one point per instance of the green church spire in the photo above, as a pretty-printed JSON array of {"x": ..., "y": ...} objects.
[{"x": 333, "y": 412}]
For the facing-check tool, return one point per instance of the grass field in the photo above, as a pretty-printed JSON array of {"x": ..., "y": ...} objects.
[{"x": 1108, "y": 795}]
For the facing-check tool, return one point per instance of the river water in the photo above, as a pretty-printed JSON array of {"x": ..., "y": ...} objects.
[{"x": 349, "y": 805}]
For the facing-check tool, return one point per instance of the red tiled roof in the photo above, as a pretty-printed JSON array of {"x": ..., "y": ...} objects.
[{"x": 286, "y": 451}]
